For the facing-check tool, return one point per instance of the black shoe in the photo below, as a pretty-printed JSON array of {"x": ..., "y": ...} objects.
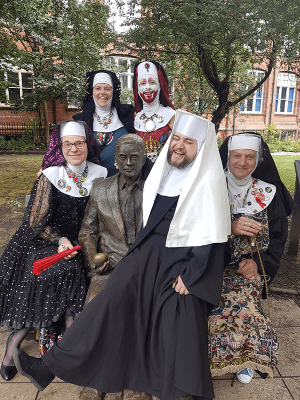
[
  {"x": 33, "y": 368},
  {"x": 8, "y": 372}
]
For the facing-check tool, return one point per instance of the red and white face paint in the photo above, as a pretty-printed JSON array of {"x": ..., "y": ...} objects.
[{"x": 148, "y": 87}]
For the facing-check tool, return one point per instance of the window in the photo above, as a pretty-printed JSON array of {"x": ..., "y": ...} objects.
[
  {"x": 19, "y": 83},
  {"x": 285, "y": 93},
  {"x": 253, "y": 103},
  {"x": 124, "y": 70},
  {"x": 287, "y": 135}
]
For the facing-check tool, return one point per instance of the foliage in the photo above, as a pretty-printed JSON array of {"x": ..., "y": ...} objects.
[
  {"x": 271, "y": 136},
  {"x": 127, "y": 96},
  {"x": 270, "y": 133},
  {"x": 59, "y": 40},
  {"x": 15, "y": 203},
  {"x": 25, "y": 142},
  {"x": 287, "y": 144},
  {"x": 6, "y": 52},
  {"x": 217, "y": 39}
]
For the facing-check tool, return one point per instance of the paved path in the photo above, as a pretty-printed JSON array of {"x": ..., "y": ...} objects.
[{"x": 285, "y": 316}]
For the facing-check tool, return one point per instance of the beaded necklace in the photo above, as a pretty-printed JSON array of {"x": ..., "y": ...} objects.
[
  {"x": 78, "y": 179},
  {"x": 105, "y": 120}
]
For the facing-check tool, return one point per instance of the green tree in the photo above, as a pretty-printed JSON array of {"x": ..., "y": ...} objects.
[
  {"x": 58, "y": 40},
  {"x": 217, "y": 40},
  {"x": 7, "y": 51}
]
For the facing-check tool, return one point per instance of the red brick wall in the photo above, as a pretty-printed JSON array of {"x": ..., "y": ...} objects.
[{"x": 63, "y": 113}]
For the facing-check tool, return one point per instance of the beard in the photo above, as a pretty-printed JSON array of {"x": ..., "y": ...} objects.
[{"x": 180, "y": 165}]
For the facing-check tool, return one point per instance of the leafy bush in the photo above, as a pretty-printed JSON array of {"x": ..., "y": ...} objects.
[
  {"x": 23, "y": 143},
  {"x": 271, "y": 137}
]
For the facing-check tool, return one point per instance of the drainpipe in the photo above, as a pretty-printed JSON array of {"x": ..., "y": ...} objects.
[{"x": 272, "y": 99}]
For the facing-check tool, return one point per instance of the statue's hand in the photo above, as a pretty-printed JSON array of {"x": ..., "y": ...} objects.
[{"x": 103, "y": 268}]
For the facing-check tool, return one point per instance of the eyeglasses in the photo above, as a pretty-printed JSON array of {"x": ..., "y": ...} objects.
[{"x": 67, "y": 145}]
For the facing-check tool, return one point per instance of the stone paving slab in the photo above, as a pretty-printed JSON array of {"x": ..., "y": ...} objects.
[
  {"x": 293, "y": 384},
  {"x": 258, "y": 389},
  {"x": 285, "y": 316},
  {"x": 284, "y": 312},
  {"x": 289, "y": 352},
  {"x": 17, "y": 391},
  {"x": 60, "y": 391}
]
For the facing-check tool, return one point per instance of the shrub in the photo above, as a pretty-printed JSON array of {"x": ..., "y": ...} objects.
[{"x": 23, "y": 143}]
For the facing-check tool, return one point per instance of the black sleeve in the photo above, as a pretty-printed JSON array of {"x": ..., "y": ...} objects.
[
  {"x": 78, "y": 117},
  {"x": 278, "y": 231},
  {"x": 202, "y": 274}
]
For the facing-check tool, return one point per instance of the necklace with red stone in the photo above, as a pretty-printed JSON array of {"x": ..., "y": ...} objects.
[{"x": 78, "y": 179}]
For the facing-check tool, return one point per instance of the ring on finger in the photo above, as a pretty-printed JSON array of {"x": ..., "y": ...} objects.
[
  {"x": 241, "y": 232},
  {"x": 64, "y": 246}
]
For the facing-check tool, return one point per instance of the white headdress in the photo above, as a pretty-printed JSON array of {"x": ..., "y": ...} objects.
[
  {"x": 202, "y": 214},
  {"x": 104, "y": 112},
  {"x": 72, "y": 128},
  {"x": 240, "y": 193}
]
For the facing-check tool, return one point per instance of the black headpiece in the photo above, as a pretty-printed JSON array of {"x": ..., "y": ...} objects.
[
  {"x": 125, "y": 111},
  {"x": 266, "y": 170}
]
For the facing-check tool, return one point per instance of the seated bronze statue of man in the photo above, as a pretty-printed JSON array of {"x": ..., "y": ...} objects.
[
  {"x": 113, "y": 215},
  {"x": 111, "y": 222}
]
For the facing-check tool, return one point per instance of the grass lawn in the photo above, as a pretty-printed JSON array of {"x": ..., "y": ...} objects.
[
  {"x": 16, "y": 180},
  {"x": 18, "y": 176},
  {"x": 19, "y": 173},
  {"x": 286, "y": 168}
]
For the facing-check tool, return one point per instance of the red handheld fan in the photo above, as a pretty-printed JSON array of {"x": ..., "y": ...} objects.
[{"x": 44, "y": 263}]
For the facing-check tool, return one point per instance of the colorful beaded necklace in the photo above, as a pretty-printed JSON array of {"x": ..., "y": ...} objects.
[
  {"x": 78, "y": 179},
  {"x": 105, "y": 120}
]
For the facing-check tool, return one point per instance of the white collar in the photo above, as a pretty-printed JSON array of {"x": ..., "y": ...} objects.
[
  {"x": 59, "y": 178},
  {"x": 164, "y": 116},
  {"x": 112, "y": 126}
]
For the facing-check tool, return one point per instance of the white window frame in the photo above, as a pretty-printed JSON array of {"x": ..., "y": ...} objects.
[
  {"x": 125, "y": 76},
  {"x": 286, "y": 85},
  {"x": 20, "y": 86},
  {"x": 257, "y": 96}
]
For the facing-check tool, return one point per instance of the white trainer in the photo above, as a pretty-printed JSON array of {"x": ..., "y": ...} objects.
[{"x": 245, "y": 376}]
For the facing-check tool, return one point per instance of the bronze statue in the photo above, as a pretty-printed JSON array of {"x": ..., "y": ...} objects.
[
  {"x": 109, "y": 228},
  {"x": 113, "y": 215}
]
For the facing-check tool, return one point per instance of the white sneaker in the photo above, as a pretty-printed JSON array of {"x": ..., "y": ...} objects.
[{"x": 245, "y": 376}]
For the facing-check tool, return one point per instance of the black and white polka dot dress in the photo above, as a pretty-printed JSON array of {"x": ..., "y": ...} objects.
[{"x": 27, "y": 300}]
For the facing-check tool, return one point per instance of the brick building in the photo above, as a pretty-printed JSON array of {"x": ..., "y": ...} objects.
[{"x": 277, "y": 102}]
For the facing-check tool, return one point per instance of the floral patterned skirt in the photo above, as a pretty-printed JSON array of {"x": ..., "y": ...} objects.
[{"x": 240, "y": 333}]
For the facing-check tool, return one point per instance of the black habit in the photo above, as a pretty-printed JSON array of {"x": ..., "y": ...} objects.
[{"x": 138, "y": 333}]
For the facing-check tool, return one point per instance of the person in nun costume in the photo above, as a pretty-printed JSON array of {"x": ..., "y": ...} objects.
[
  {"x": 241, "y": 337},
  {"x": 147, "y": 329},
  {"x": 154, "y": 110},
  {"x": 51, "y": 224},
  {"x": 105, "y": 115}
]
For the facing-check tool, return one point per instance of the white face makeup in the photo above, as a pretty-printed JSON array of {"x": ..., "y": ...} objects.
[{"x": 148, "y": 87}]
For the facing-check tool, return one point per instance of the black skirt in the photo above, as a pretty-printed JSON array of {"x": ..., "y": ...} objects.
[{"x": 138, "y": 333}]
